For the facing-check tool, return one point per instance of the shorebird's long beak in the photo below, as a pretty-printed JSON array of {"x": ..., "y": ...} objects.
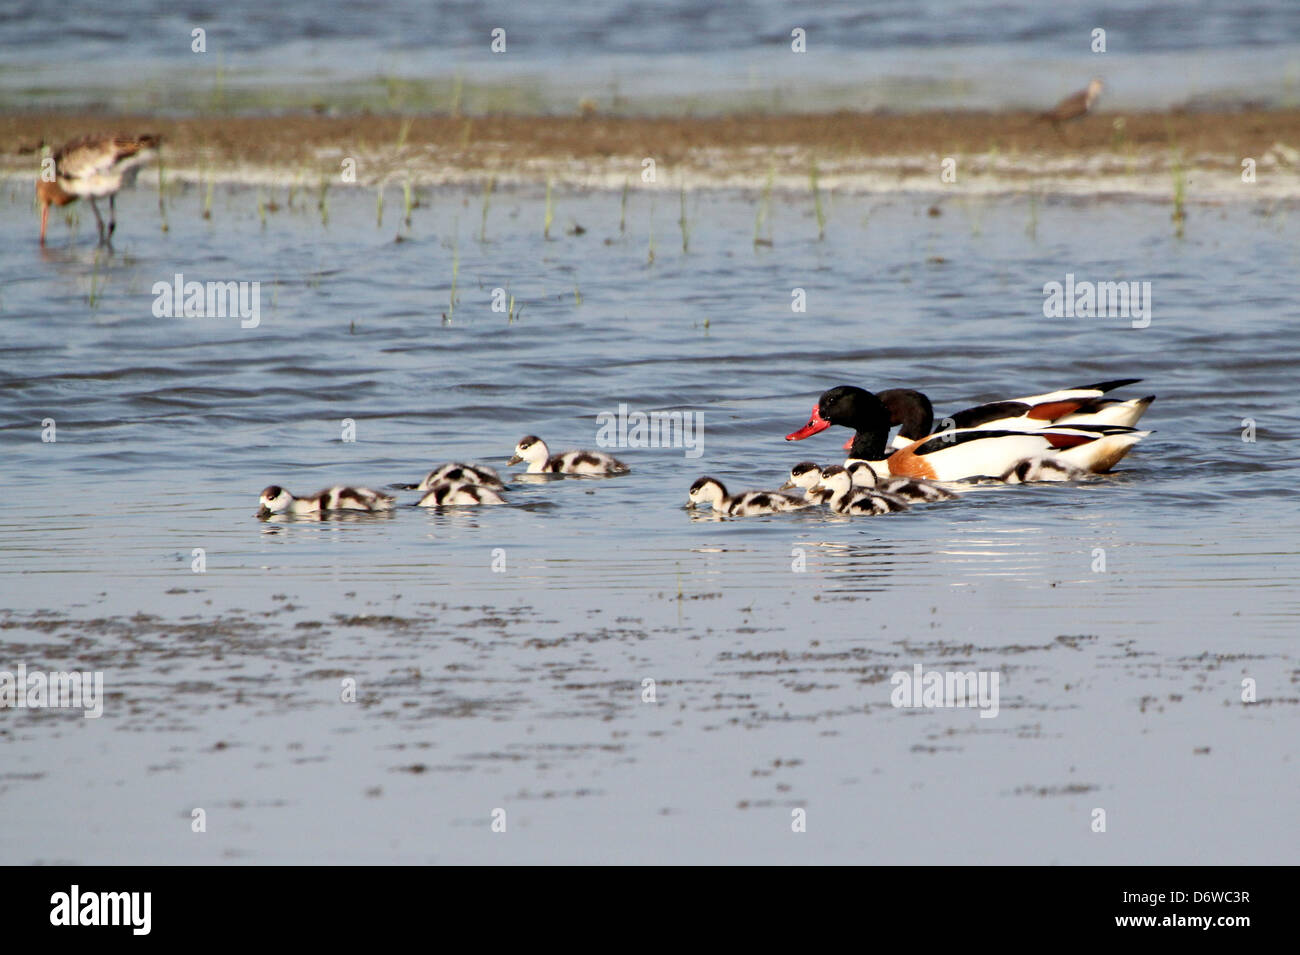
[{"x": 815, "y": 423}]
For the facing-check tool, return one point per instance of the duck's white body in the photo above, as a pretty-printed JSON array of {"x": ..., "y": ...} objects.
[
  {"x": 956, "y": 455},
  {"x": 449, "y": 494},
  {"x": 910, "y": 489},
  {"x": 710, "y": 491},
  {"x": 534, "y": 451},
  {"x": 276, "y": 500}
]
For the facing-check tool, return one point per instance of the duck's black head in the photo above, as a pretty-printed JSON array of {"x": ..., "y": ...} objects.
[
  {"x": 850, "y": 407},
  {"x": 853, "y": 407},
  {"x": 911, "y": 409}
]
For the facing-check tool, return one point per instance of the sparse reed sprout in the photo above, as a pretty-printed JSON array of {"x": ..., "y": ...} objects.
[
  {"x": 549, "y": 215},
  {"x": 686, "y": 229},
  {"x": 487, "y": 201},
  {"x": 817, "y": 203},
  {"x": 1180, "y": 196},
  {"x": 763, "y": 217}
]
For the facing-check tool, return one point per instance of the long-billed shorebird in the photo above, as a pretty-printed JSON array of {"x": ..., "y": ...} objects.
[
  {"x": 1075, "y": 105},
  {"x": 93, "y": 167}
]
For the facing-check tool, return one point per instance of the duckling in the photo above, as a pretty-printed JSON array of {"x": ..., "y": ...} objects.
[
  {"x": 276, "y": 500},
  {"x": 1043, "y": 468},
  {"x": 805, "y": 475},
  {"x": 533, "y": 450},
  {"x": 708, "y": 490},
  {"x": 844, "y": 498},
  {"x": 457, "y": 473},
  {"x": 808, "y": 476},
  {"x": 449, "y": 494},
  {"x": 910, "y": 489}
]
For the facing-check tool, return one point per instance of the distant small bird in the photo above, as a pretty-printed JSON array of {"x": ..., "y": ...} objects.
[
  {"x": 93, "y": 167},
  {"x": 1075, "y": 105}
]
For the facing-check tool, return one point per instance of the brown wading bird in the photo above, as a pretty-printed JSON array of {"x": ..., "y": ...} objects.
[
  {"x": 93, "y": 167},
  {"x": 1073, "y": 106}
]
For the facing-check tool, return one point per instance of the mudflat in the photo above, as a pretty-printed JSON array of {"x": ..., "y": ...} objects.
[{"x": 734, "y": 150}]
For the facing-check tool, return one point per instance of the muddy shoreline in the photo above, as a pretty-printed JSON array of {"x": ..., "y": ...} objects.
[{"x": 1134, "y": 153}]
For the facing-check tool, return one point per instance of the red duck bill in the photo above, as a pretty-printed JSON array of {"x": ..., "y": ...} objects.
[{"x": 815, "y": 423}]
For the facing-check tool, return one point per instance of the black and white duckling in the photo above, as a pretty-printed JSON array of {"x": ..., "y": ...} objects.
[
  {"x": 1043, "y": 468},
  {"x": 709, "y": 490},
  {"x": 805, "y": 475},
  {"x": 844, "y": 498},
  {"x": 276, "y": 500},
  {"x": 808, "y": 476},
  {"x": 909, "y": 489},
  {"x": 533, "y": 450},
  {"x": 457, "y": 473},
  {"x": 449, "y": 494}
]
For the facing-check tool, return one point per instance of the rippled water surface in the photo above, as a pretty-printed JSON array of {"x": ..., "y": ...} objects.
[
  {"x": 685, "y": 54},
  {"x": 522, "y": 689}
]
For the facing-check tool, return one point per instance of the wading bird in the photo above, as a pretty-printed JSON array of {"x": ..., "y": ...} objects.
[
  {"x": 1073, "y": 106},
  {"x": 93, "y": 167}
]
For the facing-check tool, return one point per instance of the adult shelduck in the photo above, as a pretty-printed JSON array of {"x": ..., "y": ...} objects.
[
  {"x": 93, "y": 167},
  {"x": 953, "y": 455},
  {"x": 1068, "y": 406}
]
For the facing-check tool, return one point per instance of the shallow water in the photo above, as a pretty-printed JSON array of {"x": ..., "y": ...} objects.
[
  {"x": 522, "y": 689},
  {"x": 626, "y": 55}
]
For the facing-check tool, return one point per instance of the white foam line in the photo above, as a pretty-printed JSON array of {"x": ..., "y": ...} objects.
[{"x": 1209, "y": 178}]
